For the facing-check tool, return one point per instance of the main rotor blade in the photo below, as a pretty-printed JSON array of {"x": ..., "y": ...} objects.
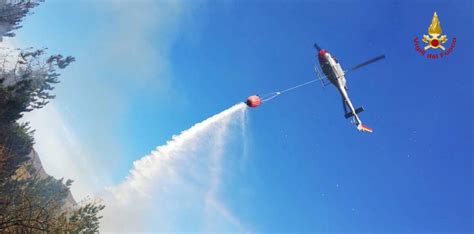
[
  {"x": 317, "y": 47},
  {"x": 368, "y": 62}
]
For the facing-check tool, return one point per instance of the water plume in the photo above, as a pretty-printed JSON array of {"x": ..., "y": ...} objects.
[{"x": 175, "y": 187}]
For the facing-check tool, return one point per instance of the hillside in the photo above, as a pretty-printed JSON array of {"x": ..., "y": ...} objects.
[{"x": 35, "y": 161}]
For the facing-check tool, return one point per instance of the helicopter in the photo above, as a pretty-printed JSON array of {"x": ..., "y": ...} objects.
[{"x": 332, "y": 73}]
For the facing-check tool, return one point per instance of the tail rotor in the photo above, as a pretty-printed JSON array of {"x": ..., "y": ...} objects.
[{"x": 364, "y": 128}]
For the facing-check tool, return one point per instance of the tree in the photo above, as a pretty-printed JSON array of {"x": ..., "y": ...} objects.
[
  {"x": 26, "y": 82},
  {"x": 30, "y": 202},
  {"x": 12, "y": 13},
  {"x": 16, "y": 142}
]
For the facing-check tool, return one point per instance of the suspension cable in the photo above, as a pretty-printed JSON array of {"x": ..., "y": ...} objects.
[{"x": 270, "y": 96}]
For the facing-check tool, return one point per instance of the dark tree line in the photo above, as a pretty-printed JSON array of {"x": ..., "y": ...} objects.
[{"x": 29, "y": 200}]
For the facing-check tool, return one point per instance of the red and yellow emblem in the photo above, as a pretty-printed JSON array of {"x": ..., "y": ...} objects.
[{"x": 435, "y": 39}]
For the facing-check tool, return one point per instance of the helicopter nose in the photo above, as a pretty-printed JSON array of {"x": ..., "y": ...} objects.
[{"x": 322, "y": 52}]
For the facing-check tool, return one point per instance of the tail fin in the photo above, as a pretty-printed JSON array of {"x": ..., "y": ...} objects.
[
  {"x": 364, "y": 128},
  {"x": 350, "y": 114}
]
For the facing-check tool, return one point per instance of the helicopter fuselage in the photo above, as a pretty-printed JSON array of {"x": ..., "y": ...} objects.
[{"x": 334, "y": 72}]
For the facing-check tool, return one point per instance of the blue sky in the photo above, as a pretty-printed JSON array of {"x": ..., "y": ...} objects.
[{"x": 147, "y": 70}]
